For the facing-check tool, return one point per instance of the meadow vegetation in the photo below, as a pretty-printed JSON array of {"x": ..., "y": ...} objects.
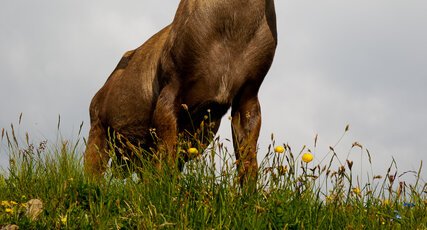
[{"x": 44, "y": 187}]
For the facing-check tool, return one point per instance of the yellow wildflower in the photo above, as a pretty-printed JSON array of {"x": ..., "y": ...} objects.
[
  {"x": 357, "y": 191},
  {"x": 192, "y": 152},
  {"x": 5, "y": 203},
  {"x": 13, "y": 202},
  {"x": 386, "y": 202},
  {"x": 63, "y": 219},
  {"x": 307, "y": 157},
  {"x": 279, "y": 149},
  {"x": 9, "y": 210}
]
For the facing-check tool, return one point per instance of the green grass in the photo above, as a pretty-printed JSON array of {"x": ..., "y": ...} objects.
[{"x": 290, "y": 194}]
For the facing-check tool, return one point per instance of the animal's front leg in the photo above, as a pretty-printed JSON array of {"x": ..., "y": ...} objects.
[
  {"x": 246, "y": 124},
  {"x": 165, "y": 124}
]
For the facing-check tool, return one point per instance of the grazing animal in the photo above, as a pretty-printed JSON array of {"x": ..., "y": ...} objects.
[{"x": 213, "y": 56}]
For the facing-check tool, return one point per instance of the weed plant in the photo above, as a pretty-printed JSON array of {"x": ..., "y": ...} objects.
[{"x": 292, "y": 192}]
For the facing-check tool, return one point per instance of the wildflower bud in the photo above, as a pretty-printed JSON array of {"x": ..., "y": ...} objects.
[
  {"x": 349, "y": 164},
  {"x": 347, "y": 128},
  {"x": 324, "y": 169},
  {"x": 282, "y": 169},
  {"x": 315, "y": 140},
  {"x": 357, "y": 144},
  {"x": 341, "y": 170}
]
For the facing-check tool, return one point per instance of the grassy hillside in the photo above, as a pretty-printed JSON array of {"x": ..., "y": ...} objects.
[{"x": 45, "y": 188}]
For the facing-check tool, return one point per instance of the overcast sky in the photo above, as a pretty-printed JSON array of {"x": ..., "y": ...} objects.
[{"x": 357, "y": 62}]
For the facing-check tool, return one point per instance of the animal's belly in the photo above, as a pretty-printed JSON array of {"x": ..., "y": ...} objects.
[{"x": 213, "y": 88}]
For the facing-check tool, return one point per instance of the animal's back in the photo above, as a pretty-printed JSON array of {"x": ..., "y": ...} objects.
[{"x": 217, "y": 49}]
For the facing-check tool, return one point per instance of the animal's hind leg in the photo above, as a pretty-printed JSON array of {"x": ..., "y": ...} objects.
[
  {"x": 96, "y": 156},
  {"x": 246, "y": 124}
]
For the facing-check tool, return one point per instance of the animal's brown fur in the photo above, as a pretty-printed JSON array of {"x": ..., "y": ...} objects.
[{"x": 214, "y": 55}]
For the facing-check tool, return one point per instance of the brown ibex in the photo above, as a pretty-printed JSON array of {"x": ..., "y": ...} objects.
[{"x": 213, "y": 56}]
